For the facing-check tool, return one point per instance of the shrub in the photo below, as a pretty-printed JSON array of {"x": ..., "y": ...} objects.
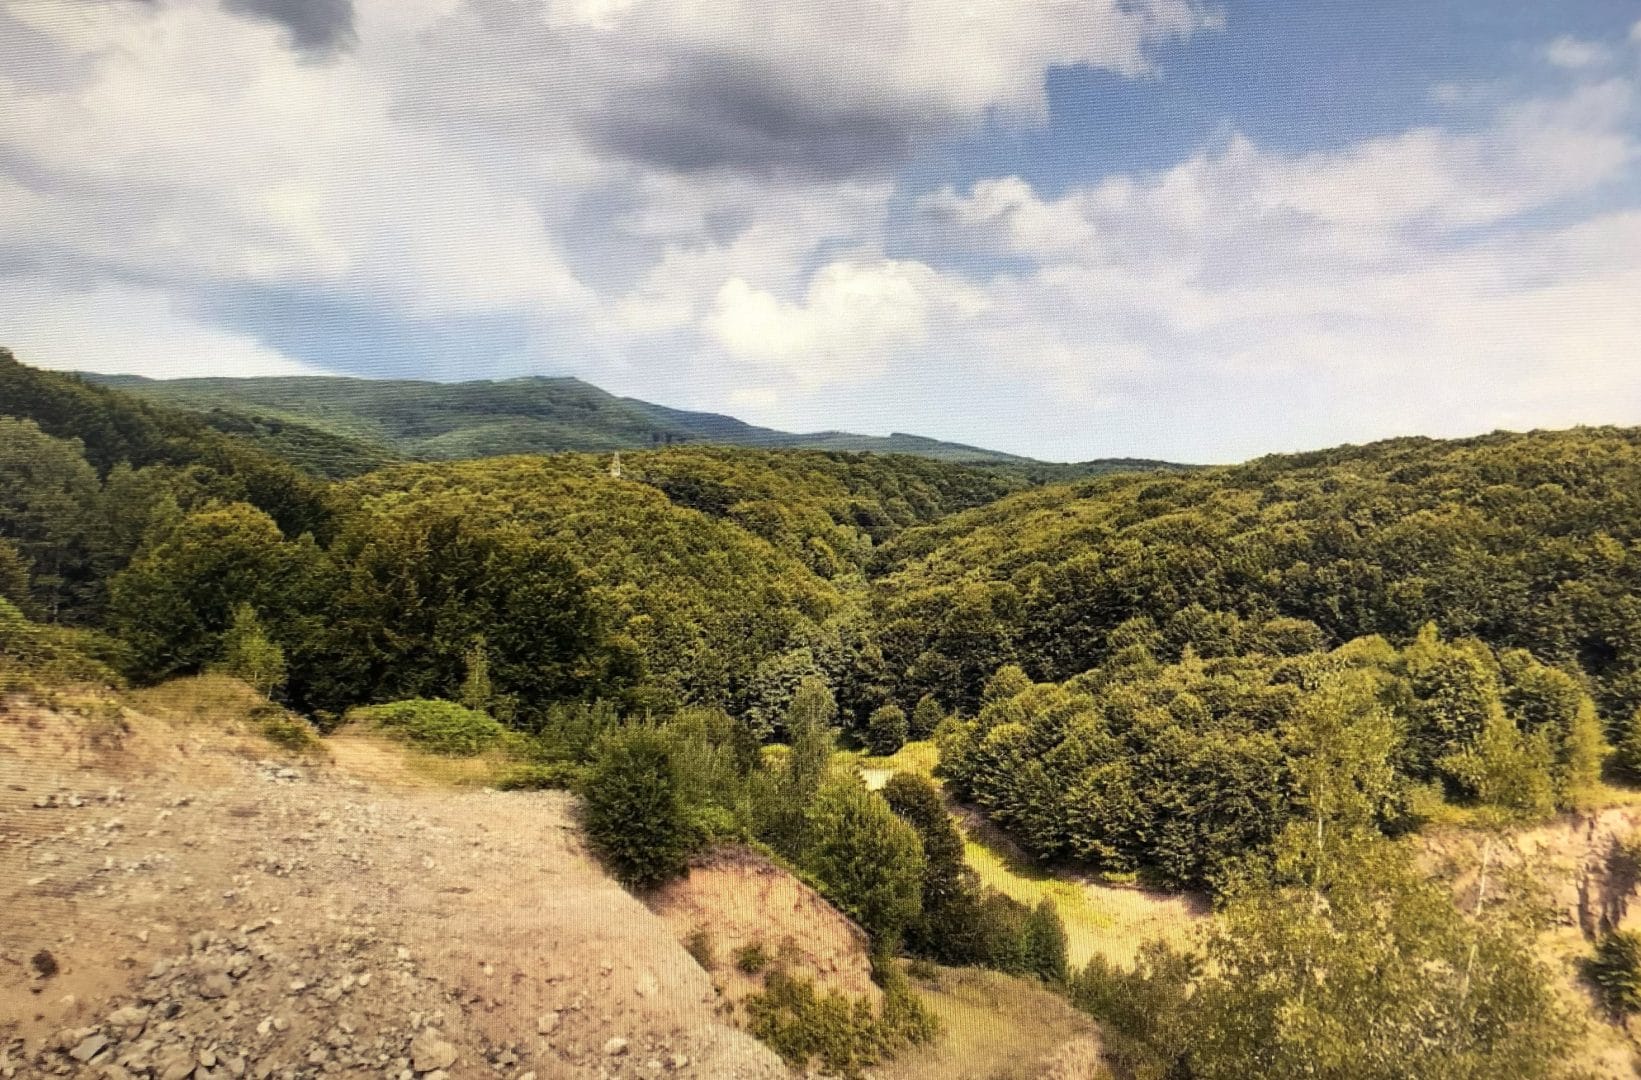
[
  {"x": 442, "y": 727},
  {"x": 802, "y": 1025},
  {"x": 633, "y": 813},
  {"x": 1144, "y": 1013},
  {"x": 751, "y": 958},
  {"x": 1616, "y": 971},
  {"x": 540, "y": 775},
  {"x": 284, "y": 729},
  {"x": 868, "y": 861},
  {"x": 886, "y": 730}
]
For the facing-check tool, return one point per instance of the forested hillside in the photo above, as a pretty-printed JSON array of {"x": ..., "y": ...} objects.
[
  {"x": 445, "y": 421},
  {"x": 1249, "y": 681}
]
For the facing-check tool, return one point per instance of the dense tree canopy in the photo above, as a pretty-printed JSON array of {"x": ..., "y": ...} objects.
[{"x": 1529, "y": 541}]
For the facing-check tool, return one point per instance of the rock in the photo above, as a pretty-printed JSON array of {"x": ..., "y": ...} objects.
[
  {"x": 679, "y": 1061},
  {"x": 89, "y": 1047},
  {"x": 429, "y": 1052},
  {"x": 132, "y": 1016},
  {"x": 615, "y": 1047},
  {"x": 547, "y": 1023},
  {"x": 647, "y": 985},
  {"x": 215, "y": 985}
]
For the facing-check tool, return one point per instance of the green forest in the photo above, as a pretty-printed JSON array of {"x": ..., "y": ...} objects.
[{"x": 1258, "y": 682}]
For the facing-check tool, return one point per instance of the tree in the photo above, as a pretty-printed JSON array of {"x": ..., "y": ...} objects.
[
  {"x": 886, "y": 730},
  {"x": 178, "y": 597},
  {"x": 633, "y": 811},
  {"x": 948, "y": 883},
  {"x": 248, "y": 654},
  {"x": 785, "y": 821},
  {"x": 1342, "y": 961},
  {"x": 476, "y": 692},
  {"x": 49, "y": 498},
  {"x": 419, "y": 581},
  {"x": 1044, "y": 943},
  {"x": 1145, "y": 1013},
  {"x": 13, "y": 575},
  {"x": 869, "y": 862},
  {"x": 926, "y": 717}
]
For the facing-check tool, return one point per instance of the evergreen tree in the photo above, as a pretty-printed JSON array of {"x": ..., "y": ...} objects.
[{"x": 1044, "y": 944}]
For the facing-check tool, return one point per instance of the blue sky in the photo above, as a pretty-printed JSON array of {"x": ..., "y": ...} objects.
[{"x": 1066, "y": 228}]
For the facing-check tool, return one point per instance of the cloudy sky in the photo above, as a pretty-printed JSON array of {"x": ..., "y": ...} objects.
[{"x": 1065, "y": 228}]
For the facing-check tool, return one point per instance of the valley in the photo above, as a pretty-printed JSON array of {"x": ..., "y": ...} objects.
[{"x": 746, "y": 760}]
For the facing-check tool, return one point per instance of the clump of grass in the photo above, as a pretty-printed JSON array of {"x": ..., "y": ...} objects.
[
  {"x": 539, "y": 775},
  {"x": 700, "y": 946},
  {"x": 284, "y": 729},
  {"x": 751, "y": 958},
  {"x": 440, "y": 727}
]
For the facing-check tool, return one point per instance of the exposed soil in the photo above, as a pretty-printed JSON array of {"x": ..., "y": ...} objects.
[
  {"x": 180, "y": 901},
  {"x": 735, "y": 898}
]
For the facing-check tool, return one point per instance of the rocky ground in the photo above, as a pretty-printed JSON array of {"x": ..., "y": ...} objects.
[{"x": 180, "y": 902}]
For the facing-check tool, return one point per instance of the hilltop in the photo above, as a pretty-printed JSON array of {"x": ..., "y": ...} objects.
[{"x": 443, "y": 421}]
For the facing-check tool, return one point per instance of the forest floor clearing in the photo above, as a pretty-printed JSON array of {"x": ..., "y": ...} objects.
[{"x": 183, "y": 900}]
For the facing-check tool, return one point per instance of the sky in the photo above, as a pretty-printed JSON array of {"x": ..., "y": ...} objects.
[{"x": 1063, "y": 228}]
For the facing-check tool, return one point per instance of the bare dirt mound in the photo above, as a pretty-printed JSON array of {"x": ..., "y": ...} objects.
[
  {"x": 182, "y": 902},
  {"x": 735, "y": 899}
]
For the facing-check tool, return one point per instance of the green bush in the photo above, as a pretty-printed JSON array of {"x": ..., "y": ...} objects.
[
  {"x": 1616, "y": 971},
  {"x": 285, "y": 729},
  {"x": 803, "y": 1025},
  {"x": 1144, "y": 1013},
  {"x": 868, "y": 861},
  {"x": 540, "y": 775},
  {"x": 634, "y": 814},
  {"x": 442, "y": 727},
  {"x": 886, "y": 730},
  {"x": 751, "y": 958}
]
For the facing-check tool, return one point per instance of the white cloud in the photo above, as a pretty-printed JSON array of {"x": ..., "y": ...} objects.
[
  {"x": 1575, "y": 53},
  {"x": 123, "y": 330},
  {"x": 850, "y": 320},
  {"x": 697, "y": 204}
]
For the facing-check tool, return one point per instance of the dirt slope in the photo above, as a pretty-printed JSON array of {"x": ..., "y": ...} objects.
[{"x": 179, "y": 903}]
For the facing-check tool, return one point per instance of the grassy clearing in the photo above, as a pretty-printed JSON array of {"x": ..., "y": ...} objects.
[
  {"x": 914, "y": 757},
  {"x": 1106, "y": 917},
  {"x": 996, "y": 1027}
]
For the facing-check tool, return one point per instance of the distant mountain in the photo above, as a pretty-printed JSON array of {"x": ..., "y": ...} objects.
[{"x": 443, "y": 421}]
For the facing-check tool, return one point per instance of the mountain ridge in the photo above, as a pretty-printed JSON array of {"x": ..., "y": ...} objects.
[{"x": 421, "y": 419}]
